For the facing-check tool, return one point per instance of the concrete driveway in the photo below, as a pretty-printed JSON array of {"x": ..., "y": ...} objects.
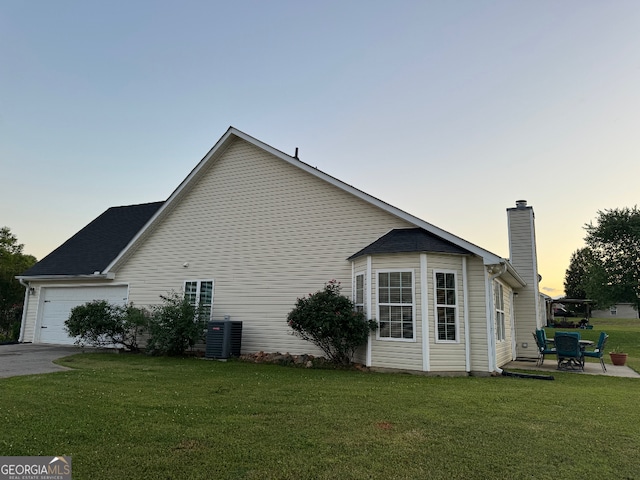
[{"x": 30, "y": 359}]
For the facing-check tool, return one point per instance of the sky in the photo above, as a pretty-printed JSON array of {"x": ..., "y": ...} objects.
[{"x": 448, "y": 110}]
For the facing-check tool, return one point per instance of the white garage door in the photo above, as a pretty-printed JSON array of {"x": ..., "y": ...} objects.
[{"x": 58, "y": 302}]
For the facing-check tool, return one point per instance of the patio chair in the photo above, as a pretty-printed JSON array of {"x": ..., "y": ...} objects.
[
  {"x": 543, "y": 334},
  {"x": 599, "y": 351},
  {"x": 543, "y": 349},
  {"x": 568, "y": 349}
]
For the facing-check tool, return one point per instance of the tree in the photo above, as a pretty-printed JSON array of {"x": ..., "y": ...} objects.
[
  {"x": 174, "y": 326},
  {"x": 614, "y": 242},
  {"x": 577, "y": 275},
  {"x": 329, "y": 320},
  {"x": 101, "y": 324},
  {"x": 12, "y": 262}
]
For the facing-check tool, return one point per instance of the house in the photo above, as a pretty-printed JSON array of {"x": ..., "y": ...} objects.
[
  {"x": 619, "y": 310},
  {"x": 251, "y": 229}
]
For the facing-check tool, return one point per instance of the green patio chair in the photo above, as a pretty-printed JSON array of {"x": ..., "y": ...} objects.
[
  {"x": 568, "y": 350},
  {"x": 599, "y": 351},
  {"x": 543, "y": 335},
  {"x": 543, "y": 349}
]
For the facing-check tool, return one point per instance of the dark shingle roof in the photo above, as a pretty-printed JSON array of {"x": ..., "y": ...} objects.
[
  {"x": 406, "y": 240},
  {"x": 94, "y": 247}
]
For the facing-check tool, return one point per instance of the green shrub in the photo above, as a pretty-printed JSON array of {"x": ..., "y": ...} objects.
[
  {"x": 10, "y": 322},
  {"x": 101, "y": 324},
  {"x": 329, "y": 320},
  {"x": 174, "y": 326}
]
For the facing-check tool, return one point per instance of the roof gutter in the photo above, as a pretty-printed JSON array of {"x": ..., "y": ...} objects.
[
  {"x": 94, "y": 276},
  {"x": 512, "y": 271}
]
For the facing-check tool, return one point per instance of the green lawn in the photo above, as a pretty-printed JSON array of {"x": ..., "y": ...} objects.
[{"x": 138, "y": 417}]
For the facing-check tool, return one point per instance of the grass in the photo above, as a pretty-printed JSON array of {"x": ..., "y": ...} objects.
[{"x": 133, "y": 416}]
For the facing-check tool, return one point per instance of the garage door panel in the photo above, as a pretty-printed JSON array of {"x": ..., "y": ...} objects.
[{"x": 59, "y": 301}]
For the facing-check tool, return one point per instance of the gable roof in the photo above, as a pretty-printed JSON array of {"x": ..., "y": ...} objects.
[
  {"x": 232, "y": 135},
  {"x": 405, "y": 240},
  {"x": 96, "y": 245}
]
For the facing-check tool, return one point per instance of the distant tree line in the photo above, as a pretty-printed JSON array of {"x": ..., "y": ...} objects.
[
  {"x": 12, "y": 262},
  {"x": 607, "y": 269}
]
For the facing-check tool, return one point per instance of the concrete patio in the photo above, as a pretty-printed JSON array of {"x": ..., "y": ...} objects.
[{"x": 550, "y": 366}]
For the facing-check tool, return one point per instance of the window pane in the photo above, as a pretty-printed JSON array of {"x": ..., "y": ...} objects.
[
  {"x": 206, "y": 293},
  {"x": 407, "y": 330},
  {"x": 383, "y": 295},
  {"x": 396, "y": 330},
  {"x": 191, "y": 292},
  {"x": 394, "y": 295},
  {"x": 451, "y": 280},
  {"x": 440, "y": 280},
  {"x": 451, "y": 297},
  {"x": 359, "y": 289},
  {"x": 406, "y": 279},
  {"x": 385, "y": 330},
  {"x": 440, "y": 297},
  {"x": 383, "y": 279},
  {"x": 385, "y": 314},
  {"x": 451, "y": 333},
  {"x": 394, "y": 279},
  {"x": 407, "y": 296},
  {"x": 446, "y": 323}
]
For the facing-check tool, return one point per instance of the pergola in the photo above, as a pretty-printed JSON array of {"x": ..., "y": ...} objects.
[{"x": 575, "y": 301}]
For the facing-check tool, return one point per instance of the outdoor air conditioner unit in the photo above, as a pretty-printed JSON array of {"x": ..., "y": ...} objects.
[{"x": 224, "y": 339}]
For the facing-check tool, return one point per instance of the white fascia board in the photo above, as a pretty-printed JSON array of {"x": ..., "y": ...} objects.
[
  {"x": 488, "y": 257},
  {"x": 100, "y": 276}
]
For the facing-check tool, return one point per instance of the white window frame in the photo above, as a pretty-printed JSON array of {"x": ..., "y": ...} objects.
[
  {"x": 456, "y": 306},
  {"x": 360, "y": 306},
  {"x": 198, "y": 293},
  {"x": 401, "y": 304},
  {"x": 498, "y": 299}
]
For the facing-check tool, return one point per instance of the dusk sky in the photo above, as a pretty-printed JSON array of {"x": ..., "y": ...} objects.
[{"x": 449, "y": 110}]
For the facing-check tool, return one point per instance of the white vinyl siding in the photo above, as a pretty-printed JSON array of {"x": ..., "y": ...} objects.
[
  {"x": 476, "y": 275},
  {"x": 267, "y": 232}
]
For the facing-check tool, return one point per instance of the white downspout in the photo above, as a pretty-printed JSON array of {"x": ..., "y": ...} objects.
[
  {"x": 490, "y": 317},
  {"x": 424, "y": 310},
  {"x": 25, "y": 307},
  {"x": 465, "y": 296},
  {"x": 368, "y": 293}
]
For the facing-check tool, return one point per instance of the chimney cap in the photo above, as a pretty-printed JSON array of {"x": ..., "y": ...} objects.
[{"x": 521, "y": 203}]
